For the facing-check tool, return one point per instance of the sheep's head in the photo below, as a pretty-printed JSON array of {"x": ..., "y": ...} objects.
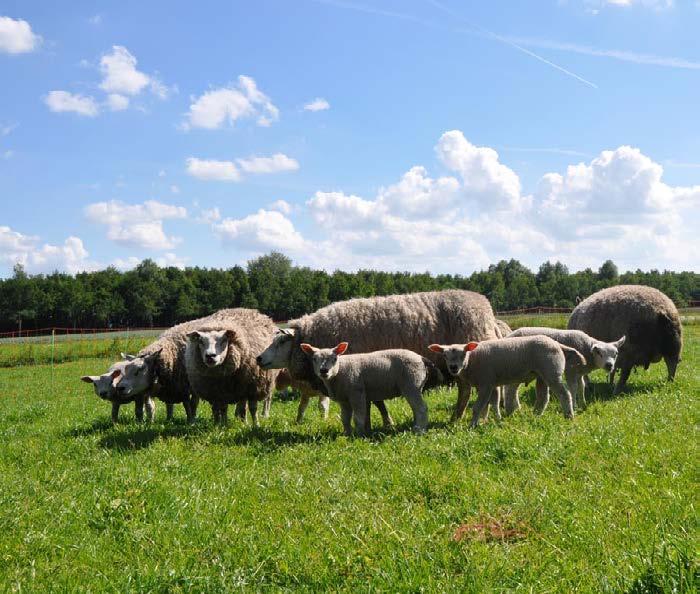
[
  {"x": 456, "y": 355},
  {"x": 212, "y": 345},
  {"x": 138, "y": 375},
  {"x": 605, "y": 354},
  {"x": 278, "y": 354},
  {"x": 325, "y": 361},
  {"x": 104, "y": 384}
]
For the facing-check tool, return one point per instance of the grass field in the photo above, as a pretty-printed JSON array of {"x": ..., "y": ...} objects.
[{"x": 606, "y": 503}]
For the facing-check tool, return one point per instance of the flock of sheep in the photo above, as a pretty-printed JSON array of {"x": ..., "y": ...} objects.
[{"x": 365, "y": 351}]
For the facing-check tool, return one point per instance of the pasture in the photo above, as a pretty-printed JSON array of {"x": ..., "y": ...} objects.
[{"x": 606, "y": 503}]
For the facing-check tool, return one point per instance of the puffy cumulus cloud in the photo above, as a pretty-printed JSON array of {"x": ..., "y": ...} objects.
[
  {"x": 17, "y": 37},
  {"x": 219, "y": 107},
  {"x": 117, "y": 102},
  {"x": 281, "y": 206},
  {"x": 264, "y": 230},
  {"x": 210, "y": 169},
  {"x": 136, "y": 225},
  {"x": 417, "y": 195},
  {"x": 318, "y": 104},
  {"x": 63, "y": 101},
  {"x": 276, "y": 163},
  {"x": 17, "y": 248},
  {"x": 120, "y": 75},
  {"x": 171, "y": 259}
]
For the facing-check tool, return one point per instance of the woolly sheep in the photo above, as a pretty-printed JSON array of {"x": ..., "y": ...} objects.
[
  {"x": 598, "y": 355},
  {"x": 494, "y": 363},
  {"x": 105, "y": 388},
  {"x": 646, "y": 316},
  {"x": 220, "y": 362},
  {"x": 378, "y": 323},
  {"x": 355, "y": 380},
  {"x": 502, "y": 329}
]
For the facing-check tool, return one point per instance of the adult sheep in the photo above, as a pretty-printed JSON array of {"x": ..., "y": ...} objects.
[
  {"x": 412, "y": 322},
  {"x": 220, "y": 361},
  {"x": 646, "y": 316}
]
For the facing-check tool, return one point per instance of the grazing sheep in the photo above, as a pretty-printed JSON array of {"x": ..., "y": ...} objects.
[
  {"x": 646, "y": 316},
  {"x": 598, "y": 355},
  {"x": 105, "y": 388},
  {"x": 378, "y": 323},
  {"x": 494, "y": 363},
  {"x": 502, "y": 329},
  {"x": 356, "y": 380},
  {"x": 221, "y": 367}
]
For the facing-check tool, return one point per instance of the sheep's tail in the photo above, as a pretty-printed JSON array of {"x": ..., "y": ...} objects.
[
  {"x": 433, "y": 376},
  {"x": 573, "y": 356}
]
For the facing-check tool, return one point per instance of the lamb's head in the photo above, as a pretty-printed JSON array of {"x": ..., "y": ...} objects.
[
  {"x": 456, "y": 355},
  {"x": 278, "y": 354},
  {"x": 605, "y": 354},
  {"x": 325, "y": 361},
  {"x": 212, "y": 345},
  {"x": 104, "y": 384},
  {"x": 138, "y": 375}
]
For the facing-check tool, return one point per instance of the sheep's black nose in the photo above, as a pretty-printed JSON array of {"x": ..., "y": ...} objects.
[
  {"x": 258, "y": 360},
  {"x": 608, "y": 366}
]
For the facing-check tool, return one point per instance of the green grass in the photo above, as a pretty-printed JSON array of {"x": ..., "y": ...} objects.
[{"x": 606, "y": 503}]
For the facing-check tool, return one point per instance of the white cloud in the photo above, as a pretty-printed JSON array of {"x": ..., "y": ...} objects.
[
  {"x": 120, "y": 74},
  {"x": 276, "y": 163},
  {"x": 211, "y": 170},
  {"x": 17, "y": 37},
  {"x": 261, "y": 231},
  {"x": 170, "y": 259},
  {"x": 219, "y": 107},
  {"x": 318, "y": 104},
  {"x": 281, "y": 206},
  {"x": 209, "y": 215},
  {"x": 117, "y": 102},
  {"x": 27, "y": 250},
  {"x": 63, "y": 101},
  {"x": 136, "y": 225}
]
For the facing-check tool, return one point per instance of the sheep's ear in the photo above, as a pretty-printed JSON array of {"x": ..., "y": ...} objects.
[
  {"x": 341, "y": 348},
  {"x": 89, "y": 379},
  {"x": 287, "y": 331},
  {"x": 620, "y": 342},
  {"x": 436, "y": 348},
  {"x": 127, "y": 356},
  {"x": 116, "y": 373},
  {"x": 194, "y": 335},
  {"x": 231, "y": 335},
  {"x": 595, "y": 349},
  {"x": 471, "y": 346},
  {"x": 152, "y": 358},
  {"x": 307, "y": 348}
]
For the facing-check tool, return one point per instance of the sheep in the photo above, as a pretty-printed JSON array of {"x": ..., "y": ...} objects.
[
  {"x": 355, "y": 380},
  {"x": 159, "y": 369},
  {"x": 502, "y": 329},
  {"x": 494, "y": 363},
  {"x": 221, "y": 367},
  {"x": 598, "y": 355},
  {"x": 646, "y": 316},
  {"x": 105, "y": 388},
  {"x": 376, "y": 323}
]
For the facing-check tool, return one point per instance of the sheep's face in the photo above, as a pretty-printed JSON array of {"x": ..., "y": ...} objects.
[
  {"x": 325, "y": 361},
  {"x": 605, "y": 354},
  {"x": 138, "y": 375},
  {"x": 104, "y": 385},
  {"x": 456, "y": 355},
  {"x": 279, "y": 354},
  {"x": 212, "y": 346}
]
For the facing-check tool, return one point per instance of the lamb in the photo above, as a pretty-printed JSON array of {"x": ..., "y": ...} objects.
[
  {"x": 598, "y": 355},
  {"x": 494, "y": 363},
  {"x": 376, "y": 323},
  {"x": 646, "y": 316},
  {"x": 221, "y": 367},
  {"x": 355, "y": 380},
  {"x": 105, "y": 388}
]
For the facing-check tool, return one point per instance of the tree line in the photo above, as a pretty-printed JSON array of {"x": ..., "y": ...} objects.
[{"x": 150, "y": 295}]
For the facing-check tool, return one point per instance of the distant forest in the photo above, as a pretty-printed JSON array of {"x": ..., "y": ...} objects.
[{"x": 152, "y": 296}]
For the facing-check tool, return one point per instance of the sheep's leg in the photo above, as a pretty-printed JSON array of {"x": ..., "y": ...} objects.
[
  {"x": 419, "y": 408},
  {"x": 194, "y": 403},
  {"x": 253, "y": 408},
  {"x": 572, "y": 383},
  {"x": 463, "y": 393},
  {"x": 187, "y": 404},
  {"x": 496, "y": 403},
  {"x": 582, "y": 391},
  {"x": 358, "y": 401},
  {"x": 150, "y": 405},
  {"x": 671, "y": 365},
  {"x": 567, "y": 405},
  {"x": 303, "y": 403},
  {"x": 240, "y": 410},
  {"x": 622, "y": 382},
  {"x": 138, "y": 408},
  {"x": 485, "y": 393},
  {"x": 512, "y": 401},
  {"x": 115, "y": 412},
  {"x": 267, "y": 404},
  {"x": 346, "y": 417},
  {"x": 224, "y": 414},
  {"x": 541, "y": 396},
  {"x": 324, "y": 404},
  {"x": 611, "y": 376},
  {"x": 216, "y": 413},
  {"x": 368, "y": 415},
  {"x": 169, "y": 410},
  {"x": 387, "y": 421}
]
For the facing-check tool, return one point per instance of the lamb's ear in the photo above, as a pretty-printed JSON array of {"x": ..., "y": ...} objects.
[
  {"x": 341, "y": 348},
  {"x": 307, "y": 348},
  {"x": 194, "y": 335},
  {"x": 152, "y": 358},
  {"x": 620, "y": 342},
  {"x": 89, "y": 379},
  {"x": 116, "y": 373},
  {"x": 287, "y": 331},
  {"x": 127, "y": 356},
  {"x": 436, "y": 348},
  {"x": 471, "y": 346}
]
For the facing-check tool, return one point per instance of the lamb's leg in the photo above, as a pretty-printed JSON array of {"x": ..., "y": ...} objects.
[
  {"x": 622, "y": 382},
  {"x": 115, "y": 412},
  {"x": 572, "y": 383},
  {"x": 541, "y": 396},
  {"x": 485, "y": 393},
  {"x": 150, "y": 405},
  {"x": 387, "y": 421},
  {"x": 138, "y": 408},
  {"x": 187, "y": 404},
  {"x": 582, "y": 391},
  {"x": 512, "y": 401},
  {"x": 463, "y": 393},
  {"x": 324, "y": 404},
  {"x": 240, "y": 410},
  {"x": 267, "y": 404},
  {"x": 253, "y": 408},
  {"x": 303, "y": 403},
  {"x": 368, "y": 416},
  {"x": 567, "y": 405},
  {"x": 358, "y": 401},
  {"x": 419, "y": 408},
  {"x": 169, "y": 410},
  {"x": 496, "y": 403},
  {"x": 346, "y": 417},
  {"x": 194, "y": 403},
  {"x": 611, "y": 376}
]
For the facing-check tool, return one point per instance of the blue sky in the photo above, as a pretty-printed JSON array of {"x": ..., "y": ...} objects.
[{"x": 415, "y": 135}]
